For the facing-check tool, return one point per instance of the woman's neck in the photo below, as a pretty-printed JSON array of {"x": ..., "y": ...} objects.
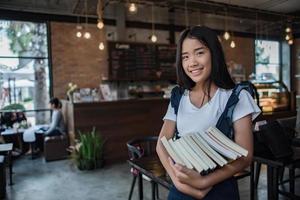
[{"x": 204, "y": 88}]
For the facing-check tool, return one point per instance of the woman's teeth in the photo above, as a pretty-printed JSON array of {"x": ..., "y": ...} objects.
[{"x": 195, "y": 71}]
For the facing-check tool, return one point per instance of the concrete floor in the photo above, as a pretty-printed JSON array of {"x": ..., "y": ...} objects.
[{"x": 60, "y": 180}]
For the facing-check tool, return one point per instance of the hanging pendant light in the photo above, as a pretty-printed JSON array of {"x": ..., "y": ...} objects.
[
  {"x": 232, "y": 44},
  {"x": 101, "y": 46},
  {"x": 100, "y": 24},
  {"x": 226, "y": 35},
  {"x": 78, "y": 28},
  {"x": 287, "y": 37},
  {"x": 132, "y": 8},
  {"x": 86, "y": 35},
  {"x": 78, "y": 33},
  {"x": 290, "y": 42},
  {"x": 153, "y": 37}
]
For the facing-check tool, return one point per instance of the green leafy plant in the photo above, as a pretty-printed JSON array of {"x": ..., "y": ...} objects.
[
  {"x": 15, "y": 106},
  {"x": 88, "y": 152}
]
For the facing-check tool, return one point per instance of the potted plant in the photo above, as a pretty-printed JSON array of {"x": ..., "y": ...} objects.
[{"x": 88, "y": 152}]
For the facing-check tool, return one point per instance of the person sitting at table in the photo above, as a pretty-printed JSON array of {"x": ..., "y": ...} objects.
[{"x": 57, "y": 126}]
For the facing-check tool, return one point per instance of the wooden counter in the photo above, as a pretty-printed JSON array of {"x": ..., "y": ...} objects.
[
  {"x": 117, "y": 121},
  {"x": 120, "y": 121}
]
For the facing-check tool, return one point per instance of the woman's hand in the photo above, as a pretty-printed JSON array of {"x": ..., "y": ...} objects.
[
  {"x": 188, "y": 176},
  {"x": 191, "y": 191}
]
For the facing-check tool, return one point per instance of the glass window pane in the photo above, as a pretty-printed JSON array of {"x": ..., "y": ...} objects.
[
  {"x": 23, "y": 39},
  {"x": 267, "y": 60},
  {"x": 24, "y": 67}
]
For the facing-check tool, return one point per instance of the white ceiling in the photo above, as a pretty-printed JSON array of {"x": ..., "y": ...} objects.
[
  {"x": 282, "y": 6},
  {"x": 67, "y": 7}
]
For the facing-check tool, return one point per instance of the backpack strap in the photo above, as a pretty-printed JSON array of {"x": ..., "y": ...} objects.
[
  {"x": 224, "y": 123},
  {"x": 176, "y": 95}
]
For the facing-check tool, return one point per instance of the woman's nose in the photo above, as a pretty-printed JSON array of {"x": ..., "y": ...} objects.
[{"x": 193, "y": 61}]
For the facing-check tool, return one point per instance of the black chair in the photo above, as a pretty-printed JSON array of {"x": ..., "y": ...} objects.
[
  {"x": 141, "y": 147},
  {"x": 291, "y": 162}
]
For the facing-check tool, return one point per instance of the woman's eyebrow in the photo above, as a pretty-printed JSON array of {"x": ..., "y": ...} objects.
[{"x": 200, "y": 48}]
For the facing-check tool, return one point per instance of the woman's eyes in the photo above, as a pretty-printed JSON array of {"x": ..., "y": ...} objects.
[
  {"x": 199, "y": 52},
  {"x": 184, "y": 57}
]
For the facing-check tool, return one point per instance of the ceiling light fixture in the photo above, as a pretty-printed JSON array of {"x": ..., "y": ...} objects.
[
  {"x": 86, "y": 35},
  {"x": 226, "y": 34},
  {"x": 101, "y": 46},
  {"x": 100, "y": 23},
  {"x": 132, "y": 8},
  {"x": 78, "y": 28},
  {"x": 153, "y": 37}
]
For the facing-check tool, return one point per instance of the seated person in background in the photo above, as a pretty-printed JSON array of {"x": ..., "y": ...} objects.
[
  {"x": 21, "y": 117},
  {"x": 57, "y": 126}
]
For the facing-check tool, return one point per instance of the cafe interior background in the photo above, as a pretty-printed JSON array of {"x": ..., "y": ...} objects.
[{"x": 112, "y": 63}]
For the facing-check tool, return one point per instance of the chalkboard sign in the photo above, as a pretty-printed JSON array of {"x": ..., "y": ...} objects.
[{"x": 141, "y": 62}]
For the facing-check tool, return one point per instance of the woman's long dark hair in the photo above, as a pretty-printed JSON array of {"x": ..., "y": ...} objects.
[
  {"x": 219, "y": 73},
  {"x": 56, "y": 102}
]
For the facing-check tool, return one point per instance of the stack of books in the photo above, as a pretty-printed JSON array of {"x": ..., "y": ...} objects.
[{"x": 203, "y": 151}]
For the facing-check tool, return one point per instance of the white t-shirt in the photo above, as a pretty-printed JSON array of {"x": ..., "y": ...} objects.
[{"x": 191, "y": 119}]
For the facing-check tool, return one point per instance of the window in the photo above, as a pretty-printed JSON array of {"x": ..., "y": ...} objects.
[
  {"x": 267, "y": 60},
  {"x": 24, "y": 70}
]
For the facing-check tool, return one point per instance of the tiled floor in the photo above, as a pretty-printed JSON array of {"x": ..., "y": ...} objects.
[{"x": 60, "y": 180}]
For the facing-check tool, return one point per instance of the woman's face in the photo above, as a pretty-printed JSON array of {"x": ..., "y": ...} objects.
[
  {"x": 196, "y": 60},
  {"x": 52, "y": 106}
]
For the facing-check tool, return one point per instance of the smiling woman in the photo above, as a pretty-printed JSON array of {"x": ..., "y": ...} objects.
[{"x": 205, "y": 86}]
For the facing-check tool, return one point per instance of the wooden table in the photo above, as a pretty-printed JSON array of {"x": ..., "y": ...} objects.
[
  {"x": 7, "y": 149},
  {"x": 151, "y": 167},
  {"x": 14, "y": 132}
]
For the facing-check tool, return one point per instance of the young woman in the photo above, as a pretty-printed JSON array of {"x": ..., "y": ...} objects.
[
  {"x": 57, "y": 126},
  {"x": 203, "y": 75}
]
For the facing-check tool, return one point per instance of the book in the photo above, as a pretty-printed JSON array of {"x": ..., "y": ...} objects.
[
  {"x": 203, "y": 151},
  {"x": 171, "y": 151}
]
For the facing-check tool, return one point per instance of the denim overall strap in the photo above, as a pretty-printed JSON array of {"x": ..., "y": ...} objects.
[
  {"x": 224, "y": 123},
  {"x": 176, "y": 95}
]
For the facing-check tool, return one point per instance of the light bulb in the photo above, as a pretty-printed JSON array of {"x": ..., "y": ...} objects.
[
  {"x": 290, "y": 42},
  {"x": 288, "y": 29},
  {"x": 87, "y": 35},
  {"x": 132, "y": 8},
  {"x": 232, "y": 44},
  {"x": 78, "y": 34},
  {"x": 287, "y": 37},
  {"x": 226, "y": 35},
  {"x": 101, "y": 46},
  {"x": 100, "y": 24},
  {"x": 153, "y": 38}
]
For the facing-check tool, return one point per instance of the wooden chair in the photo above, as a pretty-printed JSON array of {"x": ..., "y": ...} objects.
[{"x": 141, "y": 147}]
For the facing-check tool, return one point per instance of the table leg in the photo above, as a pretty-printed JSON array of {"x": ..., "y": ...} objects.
[
  {"x": 10, "y": 167},
  {"x": 252, "y": 182},
  {"x": 292, "y": 180},
  {"x": 275, "y": 183},
  {"x": 270, "y": 182},
  {"x": 140, "y": 186},
  {"x": 153, "y": 190}
]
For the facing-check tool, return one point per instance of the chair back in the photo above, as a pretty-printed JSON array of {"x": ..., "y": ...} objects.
[{"x": 141, "y": 146}]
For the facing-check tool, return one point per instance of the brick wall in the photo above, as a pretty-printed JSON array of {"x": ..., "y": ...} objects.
[
  {"x": 243, "y": 53},
  {"x": 81, "y": 62},
  {"x": 76, "y": 60}
]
